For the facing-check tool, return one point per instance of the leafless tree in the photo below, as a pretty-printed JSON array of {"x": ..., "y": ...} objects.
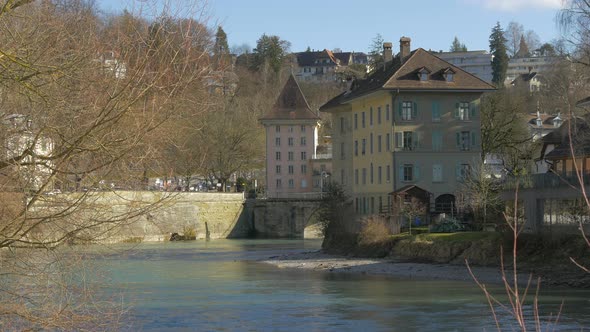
[{"x": 85, "y": 101}]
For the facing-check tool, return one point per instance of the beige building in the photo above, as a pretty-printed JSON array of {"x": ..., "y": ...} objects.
[
  {"x": 413, "y": 123},
  {"x": 291, "y": 140}
]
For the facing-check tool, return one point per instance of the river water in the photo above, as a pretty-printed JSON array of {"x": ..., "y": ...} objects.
[{"x": 220, "y": 286}]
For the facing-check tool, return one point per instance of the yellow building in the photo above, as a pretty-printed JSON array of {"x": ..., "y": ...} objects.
[{"x": 414, "y": 122}]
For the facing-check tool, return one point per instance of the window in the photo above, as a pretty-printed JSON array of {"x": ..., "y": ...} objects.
[
  {"x": 406, "y": 140},
  {"x": 291, "y": 169},
  {"x": 379, "y": 115},
  {"x": 279, "y": 183},
  {"x": 437, "y": 140},
  {"x": 303, "y": 141},
  {"x": 303, "y": 169},
  {"x": 290, "y": 129},
  {"x": 341, "y": 125},
  {"x": 278, "y": 169},
  {"x": 278, "y": 129},
  {"x": 388, "y": 173},
  {"x": 407, "y": 110},
  {"x": 463, "y": 171},
  {"x": 465, "y": 140},
  {"x": 378, "y": 143},
  {"x": 379, "y": 178},
  {"x": 387, "y": 112},
  {"x": 435, "y": 111},
  {"x": 303, "y": 183},
  {"x": 342, "y": 179},
  {"x": 356, "y": 148},
  {"x": 278, "y": 155},
  {"x": 290, "y": 156},
  {"x": 449, "y": 77},
  {"x": 363, "y": 119},
  {"x": 278, "y": 141},
  {"x": 371, "y": 143},
  {"x": 303, "y": 155},
  {"x": 462, "y": 111},
  {"x": 408, "y": 172},
  {"x": 356, "y": 176},
  {"x": 423, "y": 76},
  {"x": 437, "y": 174},
  {"x": 290, "y": 141},
  {"x": 364, "y": 146},
  {"x": 302, "y": 128},
  {"x": 291, "y": 184},
  {"x": 342, "y": 154},
  {"x": 371, "y": 116},
  {"x": 364, "y": 176},
  {"x": 356, "y": 121},
  {"x": 371, "y": 173},
  {"x": 388, "y": 142}
]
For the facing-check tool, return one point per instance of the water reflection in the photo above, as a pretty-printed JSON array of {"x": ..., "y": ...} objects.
[{"x": 218, "y": 285}]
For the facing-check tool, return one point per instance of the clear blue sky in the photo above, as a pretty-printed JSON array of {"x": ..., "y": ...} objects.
[{"x": 351, "y": 24}]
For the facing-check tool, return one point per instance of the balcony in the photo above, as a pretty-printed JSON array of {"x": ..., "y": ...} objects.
[{"x": 545, "y": 181}]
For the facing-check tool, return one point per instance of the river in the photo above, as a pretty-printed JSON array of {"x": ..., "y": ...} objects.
[{"x": 220, "y": 286}]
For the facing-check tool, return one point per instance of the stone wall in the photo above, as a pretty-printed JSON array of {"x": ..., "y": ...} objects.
[{"x": 153, "y": 216}]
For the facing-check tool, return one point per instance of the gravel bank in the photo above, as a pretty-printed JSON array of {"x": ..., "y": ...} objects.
[{"x": 318, "y": 261}]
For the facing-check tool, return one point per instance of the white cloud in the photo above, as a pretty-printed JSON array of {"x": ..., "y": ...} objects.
[{"x": 514, "y": 5}]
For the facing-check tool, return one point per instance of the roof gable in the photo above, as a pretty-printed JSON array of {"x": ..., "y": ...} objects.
[
  {"x": 291, "y": 104},
  {"x": 405, "y": 77}
]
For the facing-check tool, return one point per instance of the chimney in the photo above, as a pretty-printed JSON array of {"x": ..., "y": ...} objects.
[
  {"x": 387, "y": 52},
  {"x": 404, "y": 47}
]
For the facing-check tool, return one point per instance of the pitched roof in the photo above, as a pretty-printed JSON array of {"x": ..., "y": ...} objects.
[
  {"x": 584, "y": 102},
  {"x": 404, "y": 76},
  {"x": 580, "y": 139},
  {"x": 291, "y": 104}
]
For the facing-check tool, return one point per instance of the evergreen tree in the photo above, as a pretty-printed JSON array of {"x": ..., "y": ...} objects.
[
  {"x": 457, "y": 46},
  {"x": 376, "y": 52},
  {"x": 271, "y": 51},
  {"x": 500, "y": 58},
  {"x": 523, "y": 49},
  {"x": 221, "y": 49}
]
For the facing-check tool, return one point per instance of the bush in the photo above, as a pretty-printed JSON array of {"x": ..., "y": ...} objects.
[
  {"x": 447, "y": 225},
  {"x": 189, "y": 232},
  {"x": 374, "y": 230}
]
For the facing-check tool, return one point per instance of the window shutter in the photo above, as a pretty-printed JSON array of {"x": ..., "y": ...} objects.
[
  {"x": 418, "y": 143},
  {"x": 416, "y": 173},
  {"x": 399, "y": 110},
  {"x": 456, "y": 110},
  {"x": 458, "y": 136},
  {"x": 398, "y": 140},
  {"x": 473, "y": 138},
  {"x": 458, "y": 171},
  {"x": 472, "y": 107},
  {"x": 415, "y": 111},
  {"x": 400, "y": 174}
]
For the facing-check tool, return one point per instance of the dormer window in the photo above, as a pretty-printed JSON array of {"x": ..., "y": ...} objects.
[
  {"x": 539, "y": 122},
  {"x": 423, "y": 74},
  {"x": 449, "y": 74},
  {"x": 557, "y": 121}
]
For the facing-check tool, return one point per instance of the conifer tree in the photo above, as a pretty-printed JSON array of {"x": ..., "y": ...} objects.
[
  {"x": 500, "y": 58},
  {"x": 457, "y": 46}
]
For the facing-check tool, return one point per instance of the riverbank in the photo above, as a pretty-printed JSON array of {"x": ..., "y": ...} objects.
[
  {"x": 442, "y": 256},
  {"x": 394, "y": 267}
]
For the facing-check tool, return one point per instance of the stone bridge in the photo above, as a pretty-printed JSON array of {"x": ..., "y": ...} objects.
[{"x": 285, "y": 217}]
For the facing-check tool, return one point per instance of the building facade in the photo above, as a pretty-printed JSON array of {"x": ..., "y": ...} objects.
[
  {"x": 291, "y": 140},
  {"x": 326, "y": 66},
  {"x": 478, "y": 63},
  {"x": 415, "y": 122}
]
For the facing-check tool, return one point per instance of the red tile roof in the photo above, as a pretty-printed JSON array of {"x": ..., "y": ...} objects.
[
  {"x": 404, "y": 76},
  {"x": 291, "y": 104}
]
